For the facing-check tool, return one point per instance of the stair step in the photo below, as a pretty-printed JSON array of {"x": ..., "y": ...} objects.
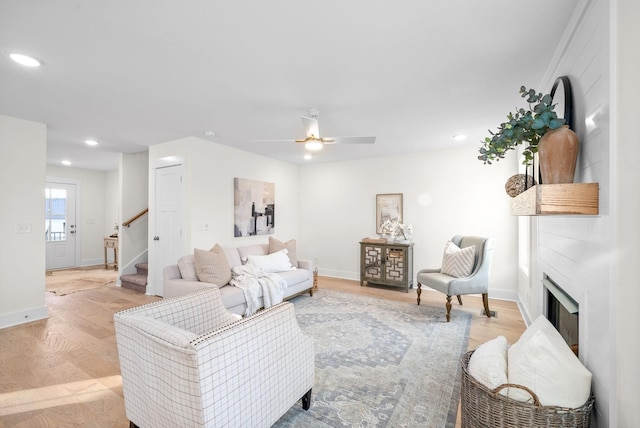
[
  {"x": 142, "y": 268},
  {"x": 135, "y": 278},
  {"x": 133, "y": 286},
  {"x": 136, "y": 282}
]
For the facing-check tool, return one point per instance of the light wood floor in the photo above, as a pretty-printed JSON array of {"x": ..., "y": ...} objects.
[{"x": 64, "y": 371}]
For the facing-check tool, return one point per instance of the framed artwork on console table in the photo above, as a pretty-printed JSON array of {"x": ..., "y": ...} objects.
[{"x": 388, "y": 207}]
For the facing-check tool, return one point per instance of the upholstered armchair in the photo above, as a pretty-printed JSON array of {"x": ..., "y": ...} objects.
[
  {"x": 188, "y": 362},
  {"x": 454, "y": 279}
]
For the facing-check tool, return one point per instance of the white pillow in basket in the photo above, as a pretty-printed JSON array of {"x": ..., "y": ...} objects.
[
  {"x": 542, "y": 361},
  {"x": 488, "y": 363},
  {"x": 458, "y": 261}
]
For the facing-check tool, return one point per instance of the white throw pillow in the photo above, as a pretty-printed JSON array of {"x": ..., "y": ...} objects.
[
  {"x": 542, "y": 361},
  {"x": 275, "y": 245},
  {"x": 488, "y": 363},
  {"x": 457, "y": 261},
  {"x": 275, "y": 262}
]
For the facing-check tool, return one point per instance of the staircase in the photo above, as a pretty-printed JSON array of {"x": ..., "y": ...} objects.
[{"x": 136, "y": 281}]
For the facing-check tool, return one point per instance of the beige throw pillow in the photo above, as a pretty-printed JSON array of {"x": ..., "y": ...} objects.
[
  {"x": 276, "y": 245},
  {"x": 187, "y": 266},
  {"x": 212, "y": 266},
  {"x": 457, "y": 261}
]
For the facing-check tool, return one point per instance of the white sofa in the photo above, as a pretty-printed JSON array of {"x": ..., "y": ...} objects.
[
  {"x": 298, "y": 281},
  {"x": 188, "y": 362}
]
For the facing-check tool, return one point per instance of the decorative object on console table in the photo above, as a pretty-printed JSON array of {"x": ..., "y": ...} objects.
[
  {"x": 388, "y": 208},
  {"x": 111, "y": 242},
  {"x": 387, "y": 264}
]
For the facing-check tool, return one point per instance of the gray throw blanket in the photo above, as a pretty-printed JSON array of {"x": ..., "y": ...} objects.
[{"x": 251, "y": 279}]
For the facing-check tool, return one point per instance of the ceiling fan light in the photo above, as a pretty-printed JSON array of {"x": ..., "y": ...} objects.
[{"x": 313, "y": 146}]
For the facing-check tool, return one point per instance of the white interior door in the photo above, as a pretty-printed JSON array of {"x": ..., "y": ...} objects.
[
  {"x": 168, "y": 238},
  {"x": 60, "y": 225}
]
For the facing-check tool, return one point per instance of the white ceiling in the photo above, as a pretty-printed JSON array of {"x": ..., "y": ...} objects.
[{"x": 137, "y": 73}]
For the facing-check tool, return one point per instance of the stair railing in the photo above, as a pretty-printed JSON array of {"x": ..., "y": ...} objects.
[{"x": 135, "y": 217}]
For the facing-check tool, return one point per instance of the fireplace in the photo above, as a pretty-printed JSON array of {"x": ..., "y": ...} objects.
[{"x": 562, "y": 312}]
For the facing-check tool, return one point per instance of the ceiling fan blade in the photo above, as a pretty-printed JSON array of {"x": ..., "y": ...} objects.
[
  {"x": 349, "y": 140},
  {"x": 311, "y": 127},
  {"x": 274, "y": 141}
]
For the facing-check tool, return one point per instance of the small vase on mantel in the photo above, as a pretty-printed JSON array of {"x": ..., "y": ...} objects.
[{"x": 558, "y": 155}]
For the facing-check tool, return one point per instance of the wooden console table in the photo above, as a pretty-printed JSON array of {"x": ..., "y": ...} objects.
[
  {"x": 110, "y": 242},
  {"x": 388, "y": 263}
]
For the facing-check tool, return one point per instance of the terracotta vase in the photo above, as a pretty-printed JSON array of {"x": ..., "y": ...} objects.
[{"x": 558, "y": 155}]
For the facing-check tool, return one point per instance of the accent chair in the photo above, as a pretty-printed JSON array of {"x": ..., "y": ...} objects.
[{"x": 452, "y": 279}]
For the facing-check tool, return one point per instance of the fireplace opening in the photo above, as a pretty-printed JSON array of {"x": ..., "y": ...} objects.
[{"x": 562, "y": 312}]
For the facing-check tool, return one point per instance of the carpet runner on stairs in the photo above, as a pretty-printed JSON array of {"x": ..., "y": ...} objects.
[{"x": 136, "y": 281}]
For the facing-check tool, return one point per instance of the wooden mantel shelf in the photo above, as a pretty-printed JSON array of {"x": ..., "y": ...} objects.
[{"x": 557, "y": 199}]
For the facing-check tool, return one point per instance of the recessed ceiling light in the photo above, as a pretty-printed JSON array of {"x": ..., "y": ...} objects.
[
  {"x": 91, "y": 142},
  {"x": 308, "y": 156},
  {"x": 65, "y": 162},
  {"x": 459, "y": 137},
  {"x": 27, "y": 61}
]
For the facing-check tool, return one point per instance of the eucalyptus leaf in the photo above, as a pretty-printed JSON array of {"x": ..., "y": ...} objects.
[{"x": 524, "y": 125}]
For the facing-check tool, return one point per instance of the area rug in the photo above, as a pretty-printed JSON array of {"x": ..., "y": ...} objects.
[
  {"x": 61, "y": 282},
  {"x": 380, "y": 363}
]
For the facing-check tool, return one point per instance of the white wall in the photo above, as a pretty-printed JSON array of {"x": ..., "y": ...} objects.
[
  {"x": 575, "y": 250},
  {"x": 209, "y": 170},
  {"x": 134, "y": 191},
  {"x": 625, "y": 197},
  {"x": 338, "y": 209},
  {"x": 91, "y": 213},
  {"x": 23, "y": 149}
]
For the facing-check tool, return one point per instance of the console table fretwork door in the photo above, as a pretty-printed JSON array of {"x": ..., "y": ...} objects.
[{"x": 387, "y": 264}]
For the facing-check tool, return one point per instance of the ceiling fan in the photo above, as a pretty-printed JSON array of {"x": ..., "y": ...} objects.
[{"x": 314, "y": 142}]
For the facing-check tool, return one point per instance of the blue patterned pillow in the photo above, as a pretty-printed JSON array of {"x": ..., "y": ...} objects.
[{"x": 457, "y": 261}]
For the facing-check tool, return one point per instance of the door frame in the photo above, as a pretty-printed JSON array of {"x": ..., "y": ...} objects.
[
  {"x": 78, "y": 201},
  {"x": 154, "y": 285}
]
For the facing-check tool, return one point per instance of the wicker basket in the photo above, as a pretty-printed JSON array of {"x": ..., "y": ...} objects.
[{"x": 483, "y": 408}]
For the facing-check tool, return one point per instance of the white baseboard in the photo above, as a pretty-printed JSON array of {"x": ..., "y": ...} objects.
[
  {"x": 93, "y": 262},
  {"x": 340, "y": 274},
  {"x": 23, "y": 317}
]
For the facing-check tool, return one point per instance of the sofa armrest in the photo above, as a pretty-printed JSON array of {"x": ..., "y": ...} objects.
[{"x": 305, "y": 264}]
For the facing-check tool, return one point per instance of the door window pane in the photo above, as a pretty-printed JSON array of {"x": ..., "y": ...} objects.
[{"x": 55, "y": 214}]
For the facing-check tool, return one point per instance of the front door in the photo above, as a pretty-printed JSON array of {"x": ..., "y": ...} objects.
[{"x": 60, "y": 225}]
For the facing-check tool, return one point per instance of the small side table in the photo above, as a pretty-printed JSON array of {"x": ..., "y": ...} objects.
[{"x": 110, "y": 242}]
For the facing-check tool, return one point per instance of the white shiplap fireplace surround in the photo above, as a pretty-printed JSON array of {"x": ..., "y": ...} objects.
[{"x": 575, "y": 250}]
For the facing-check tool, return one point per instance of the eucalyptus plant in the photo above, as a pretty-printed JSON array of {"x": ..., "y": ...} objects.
[{"x": 523, "y": 126}]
